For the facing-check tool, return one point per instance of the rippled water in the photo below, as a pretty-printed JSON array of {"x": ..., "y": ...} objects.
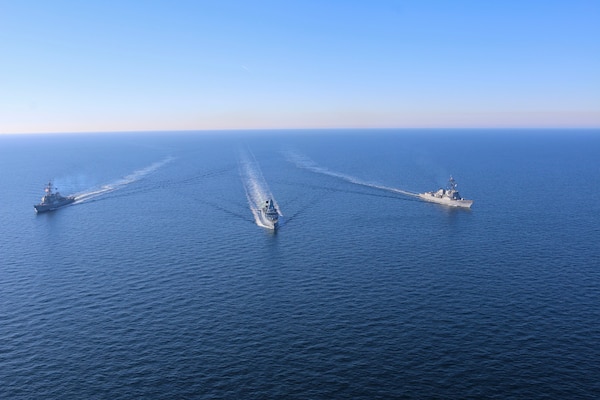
[{"x": 158, "y": 282}]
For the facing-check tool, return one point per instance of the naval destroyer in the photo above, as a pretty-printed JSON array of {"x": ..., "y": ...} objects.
[
  {"x": 269, "y": 214},
  {"x": 52, "y": 200},
  {"x": 448, "y": 197}
]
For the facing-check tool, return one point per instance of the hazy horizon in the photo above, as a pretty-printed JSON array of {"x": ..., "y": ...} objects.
[{"x": 74, "y": 67}]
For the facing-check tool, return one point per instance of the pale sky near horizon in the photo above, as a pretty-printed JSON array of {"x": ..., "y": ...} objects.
[{"x": 77, "y": 66}]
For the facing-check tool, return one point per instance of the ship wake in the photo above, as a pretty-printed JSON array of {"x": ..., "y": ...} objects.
[
  {"x": 304, "y": 162},
  {"x": 135, "y": 176},
  {"x": 255, "y": 185}
]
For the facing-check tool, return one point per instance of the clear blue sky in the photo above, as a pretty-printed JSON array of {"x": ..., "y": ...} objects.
[{"x": 76, "y": 66}]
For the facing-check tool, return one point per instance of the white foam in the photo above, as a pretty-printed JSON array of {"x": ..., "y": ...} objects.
[
  {"x": 255, "y": 185},
  {"x": 120, "y": 183},
  {"x": 304, "y": 162}
]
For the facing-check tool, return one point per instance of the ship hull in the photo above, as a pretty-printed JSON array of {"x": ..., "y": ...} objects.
[
  {"x": 267, "y": 222},
  {"x": 42, "y": 208},
  {"x": 446, "y": 201}
]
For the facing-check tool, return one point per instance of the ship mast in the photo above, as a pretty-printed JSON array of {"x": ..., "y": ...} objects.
[{"x": 452, "y": 183}]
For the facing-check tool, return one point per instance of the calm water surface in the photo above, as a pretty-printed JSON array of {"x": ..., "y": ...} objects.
[{"x": 158, "y": 283}]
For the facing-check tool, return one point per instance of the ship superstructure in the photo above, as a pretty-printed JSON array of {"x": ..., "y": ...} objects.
[
  {"x": 448, "y": 197},
  {"x": 269, "y": 214},
  {"x": 52, "y": 200}
]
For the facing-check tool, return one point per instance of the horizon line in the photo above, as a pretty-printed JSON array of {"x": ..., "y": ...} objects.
[{"x": 234, "y": 130}]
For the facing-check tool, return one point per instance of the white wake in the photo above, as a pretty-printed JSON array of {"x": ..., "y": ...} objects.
[
  {"x": 120, "y": 183},
  {"x": 255, "y": 185},
  {"x": 304, "y": 162}
]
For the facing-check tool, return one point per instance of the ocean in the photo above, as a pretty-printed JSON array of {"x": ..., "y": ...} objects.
[{"x": 160, "y": 282}]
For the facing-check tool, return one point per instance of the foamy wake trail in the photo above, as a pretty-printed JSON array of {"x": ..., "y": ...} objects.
[
  {"x": 257, "y": 190},
  {"x": 120, "y": 183},
  {"x": 304, "y": 162}
]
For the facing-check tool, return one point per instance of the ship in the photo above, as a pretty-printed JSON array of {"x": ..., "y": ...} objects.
[
  {"x": 448, "y": 197},
  {"x": 269, "y": 214},
  {"x": 52, "y": 200}
]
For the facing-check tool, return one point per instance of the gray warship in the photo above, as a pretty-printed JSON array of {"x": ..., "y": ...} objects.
[
  {"x": 448, "y": 197},
  {"x": 52, "y": 200},
  {"x": 269, "y": 214}
]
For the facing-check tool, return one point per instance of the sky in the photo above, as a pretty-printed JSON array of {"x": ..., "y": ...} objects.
[{"x": 153, "y": 65}]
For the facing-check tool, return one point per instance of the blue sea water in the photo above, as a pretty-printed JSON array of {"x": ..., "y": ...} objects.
[{"x": 159, "y": 283}]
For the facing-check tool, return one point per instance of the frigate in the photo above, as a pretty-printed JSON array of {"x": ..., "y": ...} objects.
[
  {"x": 448, "y": 197},
  {"x": 269, "y": 214},
  {"x": 52, "y": 200}
]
